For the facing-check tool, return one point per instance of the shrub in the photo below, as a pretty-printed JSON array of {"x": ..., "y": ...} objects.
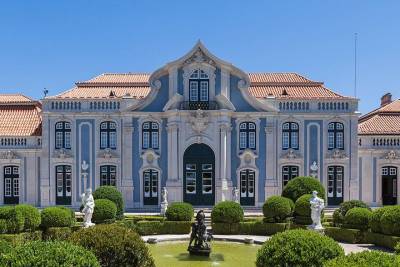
[
  {"x": 148, "y": 228},
  {"x": 31, "y": 215},
  {"x": 14, "y": 219},
  {"x": 352, "y": 236},
  {"x": 40, "y": 253},
  {"x": 375, "y": 220},
  {"x": 339, "y": 214},
  {"x": 3, "y": 226},
  {"x": 390, "y": 221},
  {"x": 179, "y": 211},
  {"x": 299, "y": 186},
  {"x": 277, "y": 209},
  {"x": 5, "y": 247},
  {"x": 227, "y": 212},
  {"x": 225, "y": 228},
  {"x": 302, "y": 210},
  {"x": 57, "y": 217},
  {"x": 365, "y": 259},
  {"x": 381, "y": 240},
  {"x": 104, "y": 211},
  {"x": 261, "y": 228},
  {"x": 298, "y": 248},
  {"x": 57, "y": 233},
  {"x": 21, "y": 238},
  {"x": 111, "y": 193},
  {"x": 357, "y": 218},
  {"x": 397, "y": 248},
  {"x": 114, "y": 245}
]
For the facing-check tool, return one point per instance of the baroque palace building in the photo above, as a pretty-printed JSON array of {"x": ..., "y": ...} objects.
[{"x": 200, "y": 127}]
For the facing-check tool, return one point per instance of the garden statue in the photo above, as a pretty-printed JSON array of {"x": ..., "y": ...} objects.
[
  {"x": 235, "y": 194},
  {"x": 88, "y": 208},
  {"x": 317, "y": 205},
  {"x": 164, "y": 202},
  {"x": 200, "y": 237},
  {"x": 314, "y": 169}
]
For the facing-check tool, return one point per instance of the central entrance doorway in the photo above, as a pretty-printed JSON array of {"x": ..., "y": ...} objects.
[
  {"x": 389, "y": 185},
  {"x": 199, "y": 175}
]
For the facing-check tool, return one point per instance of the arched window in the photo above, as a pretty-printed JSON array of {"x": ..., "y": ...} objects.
[
  {"x": 335, "y": 135},
  {"x": 108, "y": 175},
  {"x": 108, "y": 135},
  {"x": 247, "y": 135},
  {"x": 290, "y": 135},
  {"x": 150, "y": 135},
  {"x": 63, "y": 135},
  {"x": 288, "y": 173}
]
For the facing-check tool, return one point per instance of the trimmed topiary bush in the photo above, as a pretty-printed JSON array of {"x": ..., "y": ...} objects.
[
  {"x": 357, "y": 218},
  {"x": 390, "y": 221},
  {"x": 13, "y": 218},
  {"x": 57, "y": 233},
  {"x": 114, "y": 245},
  {"x": 227, "y": 212},
  {"x": 111, "y": 193},
  {"x": 375, "y": 220},
  {"x": 277, "y": 209},
  {"x": 105, "y": 211},
  {"x": 298, "y": 248},
  {"x": 31, "y": 215},
  {"x": 5, "y": 247},
  {"x": 179, "y": 211},
  {"x": 57, "y": 217},
  {"x": 365, "y": 259},
  {"x": 339, "y": 214},
  {"x": 299, "y": 186},
  {"x": 302, "y": 210},
  {"x": 3, "y": 226},
  {"x": 38, "y": 253}
]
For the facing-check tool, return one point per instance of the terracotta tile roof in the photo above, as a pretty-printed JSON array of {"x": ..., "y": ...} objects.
[
  {"x": 20, "y": 118},
  {"x": 14, "y": 98},
  {"x": 262, "y": 85},
  {"x": 381, "y": 121}
]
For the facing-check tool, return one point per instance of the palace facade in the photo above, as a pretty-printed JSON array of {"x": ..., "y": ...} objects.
[{"x": 200, "y": 127}]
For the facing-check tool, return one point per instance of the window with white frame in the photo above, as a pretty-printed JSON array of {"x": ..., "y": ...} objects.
[
  {"x": 108, "y": 175},
  {"x": 198, "y": 86},
  {"x": 335, "y": 135},
  {"x": 150, "y": 135},
  {"x": 108, "y": 135},
  {"x": 290, "y": 135},
  {"x": 63, "y": 135},
  {"x": 247, "y": 135}
]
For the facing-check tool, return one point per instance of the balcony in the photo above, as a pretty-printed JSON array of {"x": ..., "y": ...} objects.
[{"x": 203, "y": 105}]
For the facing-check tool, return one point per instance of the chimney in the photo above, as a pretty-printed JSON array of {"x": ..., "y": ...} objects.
[{"x": 386, "y": 99}]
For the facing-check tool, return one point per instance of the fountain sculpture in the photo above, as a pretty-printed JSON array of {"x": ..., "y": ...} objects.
[{"x": 200, "y": 236}]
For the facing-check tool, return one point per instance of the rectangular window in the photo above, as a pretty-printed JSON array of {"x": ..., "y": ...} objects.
[
  {"x": 146, "y": 139},
  {"x": 331, "y": 179},
  {"x": 384, "y": 171},
  {"x": 146, "y": 180},
  {"x": 243, "y": 184},
  {"x": 339, "y": 141},
  {"x": 194, "y": 91},
  {"x": 7, "y": 190},
  {"x": 295, "y": 137},
  {"x": 252, "y": 140},
  {"x": 285, "y": 140},
  {"x": 242, "y": 141},
  {"x": 154, "y": 140},
  {"x": 68, "y": 140},
  {"x": 113, "y": 140},
  {"x": 59, "y": 140},
  {"x": 392, "y": 171},
  {"x": 250, "y": 184},
  {"x": 103, "y": 140},
  {"x": 331, "y": 140},
  {"x": 204, "y": 91},
  {"x": 207, "y": 182},
  {"x": 191, "y": 182}
]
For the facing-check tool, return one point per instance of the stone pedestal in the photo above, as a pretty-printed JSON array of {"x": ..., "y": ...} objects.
[{"x": 175, "y": 192}]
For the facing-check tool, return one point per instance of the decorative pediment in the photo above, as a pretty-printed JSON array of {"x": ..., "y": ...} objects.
[
  {"x": 337, "y": 154},
  {"x": 199, "y": 57},
  {"x": 391, "y": 155},
  {"x": 8, "y": 155},
  {"x": 150, "y": 159},
  {"x": 62, "y": 153},
  {"x": 199, "y": 121},
  {"x": 107, "y": 154},
  {"x": 291, "y": 154},
  {"x": 248, "y": 159}
]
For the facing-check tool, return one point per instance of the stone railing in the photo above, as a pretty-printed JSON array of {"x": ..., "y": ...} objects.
[
  {"x": 20, "y": 142},
  {"x": 330, "y": 106}
]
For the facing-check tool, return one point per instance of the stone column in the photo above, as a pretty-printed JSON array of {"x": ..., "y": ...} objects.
[
  {"x": 223, "y": 185},
  {"x": 174, "y": 183},
  {"x": 45, "y": 196},
  {"x": 127, "y": 187},
  {"x": 271, "y": 182}
]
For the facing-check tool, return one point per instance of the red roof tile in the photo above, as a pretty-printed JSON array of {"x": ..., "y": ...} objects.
[{"x": 13, "y": 98}]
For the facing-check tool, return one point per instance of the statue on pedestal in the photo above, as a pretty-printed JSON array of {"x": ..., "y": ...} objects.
[
  {"x": 164, "y": 200},
  {"x": 235, "y": 194},
  {"x": 88, "y": 208},
  {"x": 200, "y": 237},
  {"x": 317, "y": 205}
]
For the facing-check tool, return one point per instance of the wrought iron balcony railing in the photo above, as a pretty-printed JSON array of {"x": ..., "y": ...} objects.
[{"x": 203, "y": 105}]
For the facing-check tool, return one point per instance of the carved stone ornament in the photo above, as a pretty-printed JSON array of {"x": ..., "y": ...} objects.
[
  {"x": 242, "y": 84},
  {"x": 338, "y": 154},
  {"x": 391, "y": 155},
  {"x": 150, "y": 158},
  {"x": 199, "y": 121},
  {"x": 62, "y": 154},
  {"x": 291, "y": 154},
  {"x": 199, "y": 57},
  {"x": 248, "y": 159},
  {"x": 8, "y": 155},
  {"x": 107, "y": 154}
]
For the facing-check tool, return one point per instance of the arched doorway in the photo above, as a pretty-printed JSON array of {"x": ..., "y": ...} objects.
[
  {"x": 389, "y": 185},
  {"x": 199, "y": 175}
]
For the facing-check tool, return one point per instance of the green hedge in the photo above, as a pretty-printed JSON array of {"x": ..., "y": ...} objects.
[
  {"x": 225, "y": 228},
  {"x": 3, "y": 226},
  {"x": 249, "y": 228},
  {"x": 302, "y": 210},
  {"x": 365, "y": 259},
  {"x": 357, "y": 218},
  {"x": 40, "y": 253},
  {"x": 169, "y": 227},
  {"x": 352, "y": 236},
  {"x": 21, "y": 238},
  {"x": 375, "y": 219},
  {"x": 157, "y": 227},
  {"x": 340, "y": 213},
  {"x": 57, "y": 217},
  {"x": 179, "y": 211},
  {"x": 227, "y": 212},
  {"x": 299, "y": 186},
  {"x": 5, "y": 247},
  {"x": 390, "y": 221},
  {"x": 31, "y": 215},
  {"x": 382, "y": 240},
  {"x": 298, "y": 248},
  {"x": 277, "y": 209},
  {"x": 14, "y": 219},
  {"x": 111, "y": 193},
  {"x": 57, "y": 233},
  {"x": 105, "y": 211},
  {"x": 136, "y": 218}
]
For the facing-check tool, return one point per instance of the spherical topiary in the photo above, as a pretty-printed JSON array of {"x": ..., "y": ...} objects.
[
  {"x": 57, "y": 217},
  {"x": 39, "y": 253},
  {"x": 357, "y": 218},
  {"x": 375, "y": 219},
  {"x": 338, "y": 215},
  {"x": 390, "y": 221},
  {"x": 114, "y": 245},
  {"x": 298, "y": 248},
  {"x": 14, "y": 219},
  {"x": 227, "y": 212},
  {"x": 302, "y": 210},
  {"x": 111, "y": 193},
  {"x": 365, "y": 259},
  {"x": 104, "y": 211},
  {"x": 179, "y": 211},
  {"x": 277, "y": 209},
  {"x": 299, "y": 186},
  {"x": 31, "y": 216}
]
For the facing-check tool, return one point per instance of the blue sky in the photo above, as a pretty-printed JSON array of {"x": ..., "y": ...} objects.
[{"x": 53, "y": 44}]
